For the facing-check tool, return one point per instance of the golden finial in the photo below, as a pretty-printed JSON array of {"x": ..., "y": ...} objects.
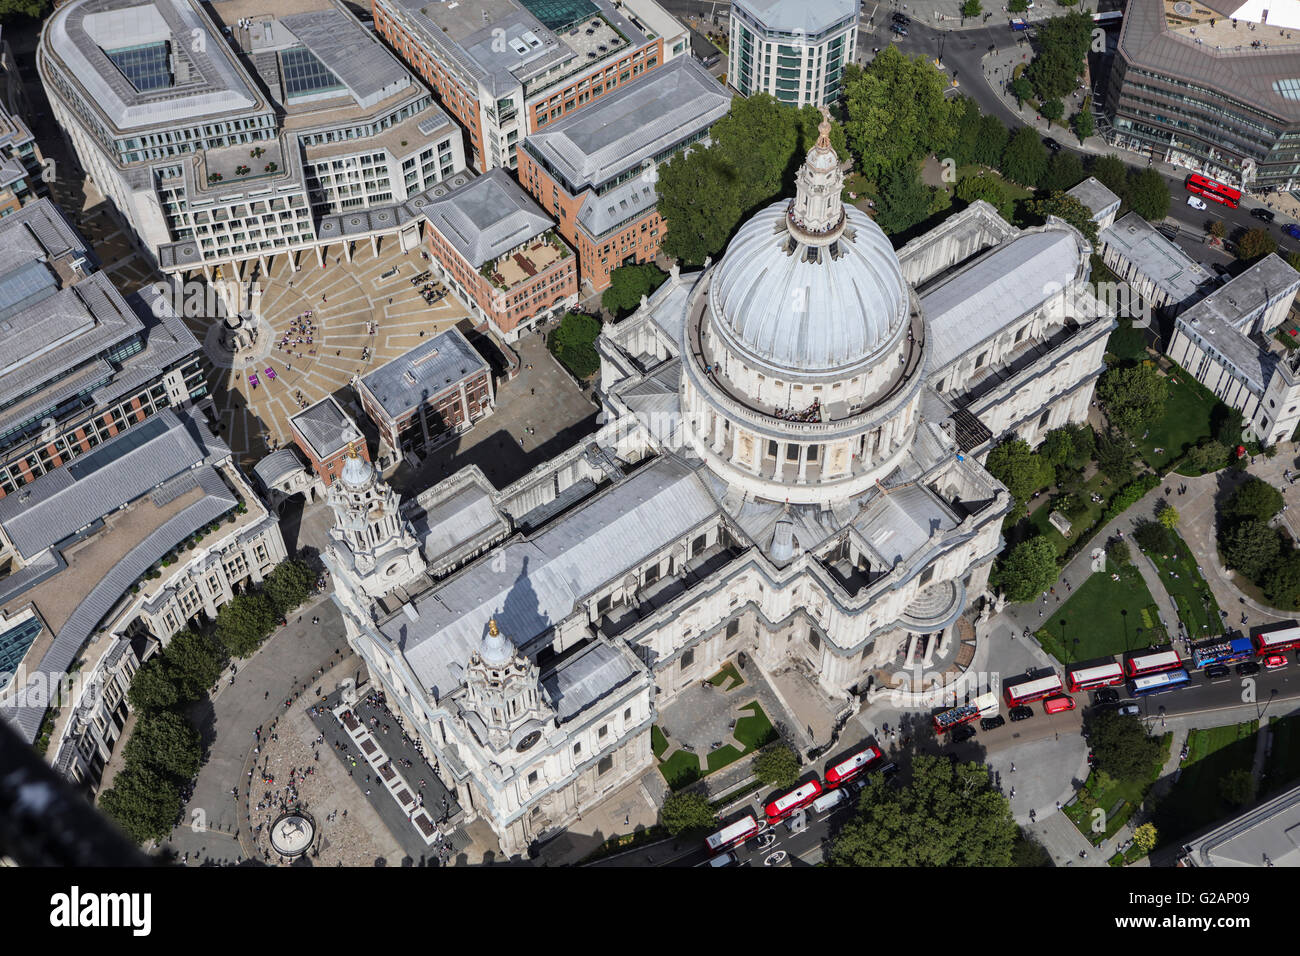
[
  {"x": 492, "y": 627},
  {"x": 824, "y": 129},
  {"x": 352, "y": 449}
]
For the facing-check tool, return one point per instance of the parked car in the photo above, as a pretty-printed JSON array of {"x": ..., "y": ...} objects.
[
  {"x": 964, "y": 732},
  {"x": 992, "y": 723},
  {"x": 1020, "y": 712},
  {"x": 1130, "y": 710},
  {"x": 1058, "y": 704},
  {"x": 902, "y": 18},
  {"x": 1292, "y": 230},
  {"x": 1215, "y": 671},
  {"x": 1107, "y": 695},
  {"x": 1052, "y": 144},
  {"x": 1246, "y": 668},
  {"x": 1274, "y": 661},
  {"x": 1196, "y": 202},
  {"x": 1262, "y": 214},
  {"x": 899, "y": 29}
]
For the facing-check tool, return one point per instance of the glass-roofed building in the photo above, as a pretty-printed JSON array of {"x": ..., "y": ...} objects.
[
  {"x": 506, "y": 68},
  {"x": 238, "y": 147}
]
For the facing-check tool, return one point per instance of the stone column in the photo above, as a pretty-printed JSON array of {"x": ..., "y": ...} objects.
[
  {"x": 928, "y": 657},
  {"x": 780, "y": 460},
  {"x": 803, "y": 463},
  {"x": 911, "y": 650},
  {"x": 946, "y": 640}
]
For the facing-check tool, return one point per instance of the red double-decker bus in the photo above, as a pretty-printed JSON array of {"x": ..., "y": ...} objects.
[
  {"x": 1275, "y": 642},
  {"x": 1088, "y": 678},
  {"x": 1213, "y": 190},
  {"x": 846, "y": 770},
  {"x": 1032, "y": 690},
  {"x": 1141, "y": 664},
  {"x": 801, "y": 796},
  {"x": 733, "y": 834}
]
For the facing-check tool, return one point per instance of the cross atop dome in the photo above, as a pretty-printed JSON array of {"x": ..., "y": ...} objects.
[{"x": 816, "y": 213}]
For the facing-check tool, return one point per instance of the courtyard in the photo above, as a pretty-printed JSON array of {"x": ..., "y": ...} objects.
[{"x": 319, "y": 327}]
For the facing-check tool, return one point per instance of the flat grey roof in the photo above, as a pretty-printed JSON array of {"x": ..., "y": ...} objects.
[
  {"x": 424, "y": 372},
  {"x": 1093, "y": 194},
  {"x": 122, "y": 469},
  {"x": 635, "y": 123},
  {"x": 585, "y": 678},
  {"x": 325, "y": 427},
  {"x": 1241, "y": 72},
  {"x": 487, "y": 217},
  {"x": 795, "y": 16},
  {"x": 1173, "y": 271}
]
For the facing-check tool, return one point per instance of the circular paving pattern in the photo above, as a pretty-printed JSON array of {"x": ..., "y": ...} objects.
[{"x": 362, "y": 314}]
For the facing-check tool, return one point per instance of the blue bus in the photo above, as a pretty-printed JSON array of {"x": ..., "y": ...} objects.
[
  {"x": 1156, "y": 683},
  {"x": 1222, "y": 651}
]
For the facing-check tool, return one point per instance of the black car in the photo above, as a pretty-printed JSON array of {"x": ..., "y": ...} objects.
[
  {"x": 1052, "y": 144},
  {"x": 902, "y": 18},
  {"x": 1246, "y": 668},
  {"x": 992, "y": 723},
  {"x": 1216, "y": 671},
  {"x": 1021, "y": 712},
  {"x": 964, "y": 732},
  {"x": 1107, "y": 695},
  {"x": 1263, "y": 215}
]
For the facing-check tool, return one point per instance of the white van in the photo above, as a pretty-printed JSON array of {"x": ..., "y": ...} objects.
[
  {"x": 828, "y": 800},
  {"x": 722, "y": 859}
]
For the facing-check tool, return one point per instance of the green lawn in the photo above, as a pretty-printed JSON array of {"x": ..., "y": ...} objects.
[
  {"x": 1197, "y": 608},
  {"x": 1013, "y": 191},
  {"x": 754, "y": 731},
  {"x": 1194, "y": 801},
  {"x": 729, "y": 676},
  {"x": 1185, "y": 422},
  {"x": 1082, "y": 521},
  {"x": 1116, "y": 797},
  {"x": 658, "y": 742},
  {"x": 1094, "y": 625},
  {"x": 681, "y": 769},
  {"x": 1282, "y": 766}
]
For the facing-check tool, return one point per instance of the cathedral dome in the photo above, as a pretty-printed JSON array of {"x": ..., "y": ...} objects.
[{"x": 809, "y": 286}]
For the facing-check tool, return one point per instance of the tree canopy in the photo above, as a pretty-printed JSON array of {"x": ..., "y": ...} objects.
[
  {"x": 1255, "y": 244},
  {"x": 143, "y": 801},
  {"x": 1134, "y": 396},
  {"x": 1250, "y": 546},
  {"x": 573, "y": 342},
  {"x": 949, "y": 815},
  {"x": 11, "y": 10},
  {"x": 288, "y": 585},
  {"x": 1064, "y": 171},
  {"x": 1066, "y": 207},
  {"x": 1013, "y": 463},
  {"x": 904, "y": 200},
  {"x": 1062, "y": 46},
  {"x": 1148, "y": 194},
  {"x": 1027, "y": 570},
  {"x": 777, "y": 765},
  {"x": 1025, "y": 158},
  {"x": 1256, "y": 499},
  {"x": 1084, "y": 124},
  {"x": 896, "y": 112},
  {"x": 626, "y": 286},
  {"x": 167, "y": 742},
  {"x": 1110, "y": 171},
  {"x": 151, "y": 688},
  {"x": 684, "y": 812},
  {"x": 192, "y": 664},
  {"x": 244, "y": 622},
  {"x": 1121, "y": 745}
]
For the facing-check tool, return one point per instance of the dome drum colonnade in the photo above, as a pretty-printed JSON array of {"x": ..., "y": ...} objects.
[{"x": 806, "y": 348}]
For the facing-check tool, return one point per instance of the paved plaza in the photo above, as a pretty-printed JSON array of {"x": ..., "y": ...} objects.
[
  {"x": 540, "y": 413},
  {"x": 341, "y": 320}
]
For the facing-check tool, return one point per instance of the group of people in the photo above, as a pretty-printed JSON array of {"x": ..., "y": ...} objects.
[{"x": 813, "y": 413}]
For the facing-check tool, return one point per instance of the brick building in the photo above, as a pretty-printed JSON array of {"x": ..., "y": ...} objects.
[
  {"x": 501, "y": 254},
  {"x": 440, "y": 387},
  {"x": 504, "y": 68},
  {"x": 323, "y": 433},
  {"x": 594, "y": 170}
]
